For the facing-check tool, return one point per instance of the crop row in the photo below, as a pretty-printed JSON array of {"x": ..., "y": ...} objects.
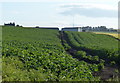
[
  {"x": 93, "y": 44},
  {"x": 41, "y": 50}
]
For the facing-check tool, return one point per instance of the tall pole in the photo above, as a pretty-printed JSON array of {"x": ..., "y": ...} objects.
[{"x": 73, "y": 21}]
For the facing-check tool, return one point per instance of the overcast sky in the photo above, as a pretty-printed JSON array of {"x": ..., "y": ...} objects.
[{"x": 60, "y": 13}]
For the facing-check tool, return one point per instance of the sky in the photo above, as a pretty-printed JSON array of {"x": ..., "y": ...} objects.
[{"x": 60, "y": 13}]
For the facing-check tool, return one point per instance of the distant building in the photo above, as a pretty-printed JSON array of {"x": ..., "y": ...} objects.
[
  {"x": 78, "y": 29},
  {"x": 89, "y": 29},
  {"x": 53, "y": 28}
]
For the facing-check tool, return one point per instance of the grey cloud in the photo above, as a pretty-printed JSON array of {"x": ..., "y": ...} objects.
[{"x": 89, "y": 12}]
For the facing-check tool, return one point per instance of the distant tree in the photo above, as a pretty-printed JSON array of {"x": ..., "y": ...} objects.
[
  {"x": 13, "y": 23},
  {"x": 37, "y": 27},
  {"x": 17, "y": 25}
]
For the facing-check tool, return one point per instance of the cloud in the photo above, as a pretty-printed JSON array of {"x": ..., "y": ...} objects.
[{"x": 89, "y": 10}]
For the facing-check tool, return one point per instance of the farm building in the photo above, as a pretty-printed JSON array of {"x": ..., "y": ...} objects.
[
  {"x": 78, "y": 29},
  {"x": 53, "y": 28},
  {"x": 89, "y": 29}
]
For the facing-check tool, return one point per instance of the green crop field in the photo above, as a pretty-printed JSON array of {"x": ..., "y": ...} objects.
[
  {"x": 104, "y": 46},
  {"x": 38, "y": 55},
  {"x": 32, "y": 54},
  {"x": 95, "y": 48}
]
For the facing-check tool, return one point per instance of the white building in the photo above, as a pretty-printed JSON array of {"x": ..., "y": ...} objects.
[{"x": 78, "y": 29}]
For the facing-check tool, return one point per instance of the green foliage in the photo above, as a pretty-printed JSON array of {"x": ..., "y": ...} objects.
[
  {"x": 112, "y": 63},
  {"x": 100, "y": 49},
  {"x": 13, "y": 70},
  {"x": 95, "y": 58},
  {"x": 37, "y": 55},
  {"x": 100, "y": 66},
  {"x": 98, "y": 45},
  {"x": 81, "y": 54}
]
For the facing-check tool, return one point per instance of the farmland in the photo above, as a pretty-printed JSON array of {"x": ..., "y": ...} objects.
[
  {"x": 32, "y": 54},
  {"x": 37, "y": 55},
  {"x": 94, "y": 48},
  {"x": 101, "y": 45}
]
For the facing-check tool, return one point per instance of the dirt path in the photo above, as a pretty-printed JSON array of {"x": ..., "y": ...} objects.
[{"x": 107, "y": 73}]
